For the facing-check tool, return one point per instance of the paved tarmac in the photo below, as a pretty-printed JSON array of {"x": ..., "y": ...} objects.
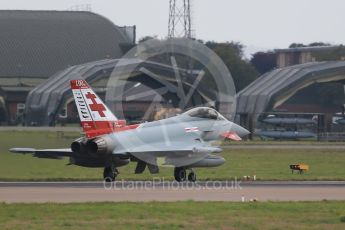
[{"x": 141, "y": 191}]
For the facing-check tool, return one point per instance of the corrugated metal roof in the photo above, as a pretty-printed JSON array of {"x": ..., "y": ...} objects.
[
  {"x": 40, "y": 43},
  {"x": 47, "y": 98},
  {"x": 273, "y": 88}
]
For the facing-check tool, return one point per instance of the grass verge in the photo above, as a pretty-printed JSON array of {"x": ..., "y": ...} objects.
[
  {"x": 175, "y": 215},
  {"x": 267, "y": 164}
]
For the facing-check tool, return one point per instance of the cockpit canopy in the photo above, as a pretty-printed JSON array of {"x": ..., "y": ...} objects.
[{"x": 205, "y": 112}]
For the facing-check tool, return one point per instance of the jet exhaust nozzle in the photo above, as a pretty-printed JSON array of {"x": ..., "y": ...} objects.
[
  {"x": 78, "y": 146},
  {"x": 100, "y": 145}
]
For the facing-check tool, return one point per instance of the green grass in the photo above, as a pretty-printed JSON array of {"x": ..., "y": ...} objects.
[
  {"x": 268, "y": 164},
  {"x": 176, "y": 215},
  {"x": 282, "y": 142}
]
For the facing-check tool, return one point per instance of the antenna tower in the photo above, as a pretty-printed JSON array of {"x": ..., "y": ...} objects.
[{"x": 180, "y": 21}]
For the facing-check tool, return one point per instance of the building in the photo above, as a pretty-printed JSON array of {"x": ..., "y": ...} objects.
[
  {"x": 300, "y": 55},
  {"x": 315, "y": 87},
  {"x": 134, "y": 89},
  {"x": 34, "y": 45}
]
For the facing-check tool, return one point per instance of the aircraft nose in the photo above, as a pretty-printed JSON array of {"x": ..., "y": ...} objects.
[{"x": 239, "y": 130}]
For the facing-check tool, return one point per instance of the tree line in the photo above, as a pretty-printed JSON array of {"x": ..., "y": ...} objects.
[{"x": 244, "y": 71}]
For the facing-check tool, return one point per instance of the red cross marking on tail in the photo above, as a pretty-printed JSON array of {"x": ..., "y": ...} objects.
[{"x": 100, "y": 108}]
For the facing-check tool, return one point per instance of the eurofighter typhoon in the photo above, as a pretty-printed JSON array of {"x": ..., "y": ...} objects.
[{"x": 183, "y": 141}]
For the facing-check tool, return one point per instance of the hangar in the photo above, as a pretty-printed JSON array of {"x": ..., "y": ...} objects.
[
  {"x": 52, "y": 100},
  {"x": 270, "y": 91},
  {"x": 36, "y": 44}
]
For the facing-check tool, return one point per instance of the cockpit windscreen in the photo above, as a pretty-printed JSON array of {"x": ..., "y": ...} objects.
[{"x": 206, "y": 113}]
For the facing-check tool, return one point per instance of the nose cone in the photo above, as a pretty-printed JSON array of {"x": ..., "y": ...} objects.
[{"x": 239, "y": 130}]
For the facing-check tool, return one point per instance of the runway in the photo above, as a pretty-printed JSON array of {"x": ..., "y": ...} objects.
[{"x": 142, "y": 191}]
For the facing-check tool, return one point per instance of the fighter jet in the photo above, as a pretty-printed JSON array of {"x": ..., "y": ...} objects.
[{"x": 184, "y": 141}]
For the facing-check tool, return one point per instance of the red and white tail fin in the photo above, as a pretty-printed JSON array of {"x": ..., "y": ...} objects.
[{"x": 96, "y": 118}]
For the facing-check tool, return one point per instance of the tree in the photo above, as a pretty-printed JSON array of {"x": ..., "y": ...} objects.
[
  {"x": 231, "y": 53},
  {"x": 146, "y": 38},
  {"x": 264, "y": 61},
  {"x": 318, "y": 44},
  {"x": 313, "y": 44},
  {"x": 235, "y": 47},
  {"x": 296, "y": 45},
  {"x": 333, "y": 55}
]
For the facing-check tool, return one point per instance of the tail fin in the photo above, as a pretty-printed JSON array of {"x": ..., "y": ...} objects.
[{"x": 96, "y": 118}]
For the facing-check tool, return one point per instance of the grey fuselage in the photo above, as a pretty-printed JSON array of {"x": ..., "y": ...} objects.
[
  {"x": 182, "y": 139},
  {"x": 176, "y": 131}
]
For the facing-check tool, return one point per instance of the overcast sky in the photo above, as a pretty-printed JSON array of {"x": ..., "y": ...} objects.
[{"x": 258, "y": 24}]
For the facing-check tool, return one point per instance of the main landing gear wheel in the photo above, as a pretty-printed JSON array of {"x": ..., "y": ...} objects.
[
  {"x": 192, "y": 176},
  {"x": 180, "y": 174},
  {"x": 110, "y": 173}
]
